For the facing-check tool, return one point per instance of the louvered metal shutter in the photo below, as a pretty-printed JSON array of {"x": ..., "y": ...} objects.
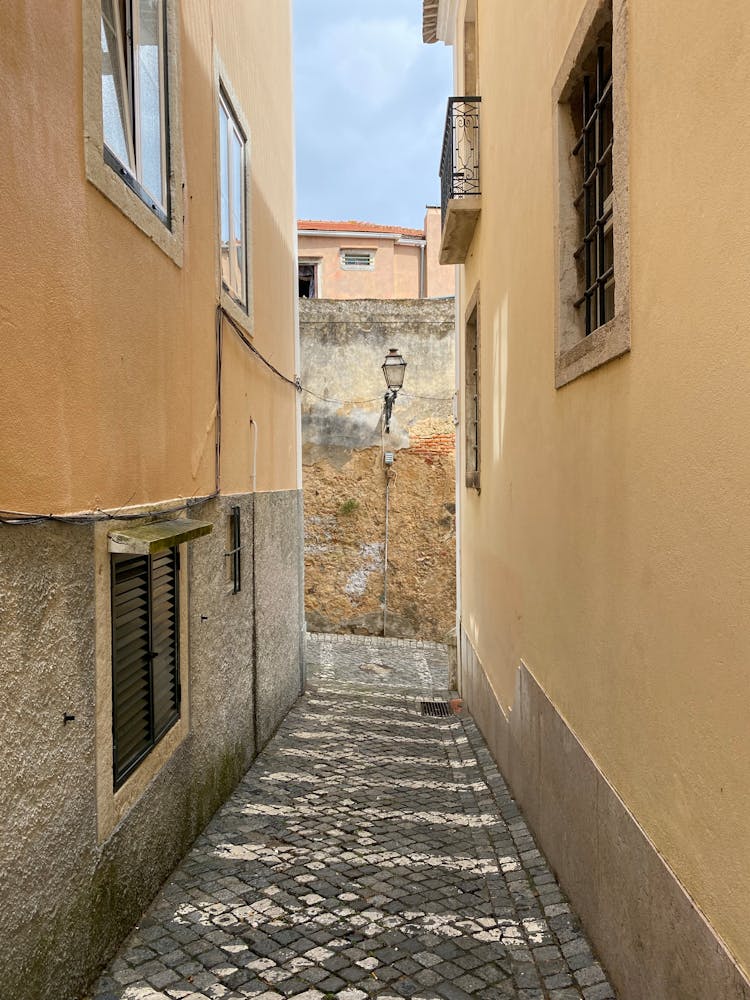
[
  {"x": 131, "y": 696},
  {"x": 165, "y": 628},
  {"x": 145, "y": 655}
]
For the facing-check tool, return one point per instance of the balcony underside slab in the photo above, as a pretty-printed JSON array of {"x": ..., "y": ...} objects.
[{"x": 458, "y": 229}]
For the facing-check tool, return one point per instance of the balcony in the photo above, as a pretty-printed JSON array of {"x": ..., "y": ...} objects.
[{"x": 459, "y": 178}]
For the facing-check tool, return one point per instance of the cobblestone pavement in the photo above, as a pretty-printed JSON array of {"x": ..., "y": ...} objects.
[{"x": 369, "y": 852}]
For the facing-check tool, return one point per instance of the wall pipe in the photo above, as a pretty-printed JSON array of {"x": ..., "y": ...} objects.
[
  {"x": 254, "y": 461},
  {"x": 254, "y": 635},
  {"x": 385, "y": 553}
]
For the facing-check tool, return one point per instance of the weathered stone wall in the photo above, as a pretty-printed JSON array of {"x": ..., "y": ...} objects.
[
  {"x": 70, "y": 894},
  {"x": 343, "y": 345}
]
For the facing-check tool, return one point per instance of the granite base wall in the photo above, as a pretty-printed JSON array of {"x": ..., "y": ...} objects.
[
  {"x": 653, "y": 940},
  {"x": 69, "y": 898}
]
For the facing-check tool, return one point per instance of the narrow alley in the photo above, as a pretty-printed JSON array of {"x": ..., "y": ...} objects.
[{"x": 370, "y": 850}]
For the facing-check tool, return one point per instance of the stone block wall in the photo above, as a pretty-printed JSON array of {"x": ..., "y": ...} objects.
[
  {"x": 348, "y": 587},
  {"x": 70, "y": 889}
]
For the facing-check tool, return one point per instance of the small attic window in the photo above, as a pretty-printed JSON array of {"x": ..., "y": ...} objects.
[{"x": 358, "y": 260}]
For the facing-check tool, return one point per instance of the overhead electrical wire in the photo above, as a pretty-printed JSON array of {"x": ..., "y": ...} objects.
[{"x": 17, "y": 518}]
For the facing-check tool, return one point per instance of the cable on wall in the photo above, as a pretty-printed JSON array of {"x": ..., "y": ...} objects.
[{"x": 17, "y": 518}]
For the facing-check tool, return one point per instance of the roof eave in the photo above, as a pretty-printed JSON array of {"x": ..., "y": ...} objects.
[
  {"x": 429, "y": 20},
  {"x": 360, "y": 235},
  {"x": 439, "y": 21}
]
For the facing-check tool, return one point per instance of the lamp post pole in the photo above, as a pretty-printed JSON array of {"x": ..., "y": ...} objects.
[{"x": 394, "y": 368}]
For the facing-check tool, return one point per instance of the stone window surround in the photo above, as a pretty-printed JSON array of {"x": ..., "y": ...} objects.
[
  {"x": 472, "y": 478},
  {"x": 111, "y": 805},
  {"x": 241, "y": 313},
  {"x": 576, "y": 354},
  {"x": 168, "y": 238}
]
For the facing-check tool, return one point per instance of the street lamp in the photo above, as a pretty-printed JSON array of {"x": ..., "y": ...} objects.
[{"x": 394, "y": 367}]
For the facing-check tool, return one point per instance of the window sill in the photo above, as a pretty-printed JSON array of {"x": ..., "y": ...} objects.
[
  {"x": 148, "y": 539},
  {"x": 605, "y": 344},
  {"x": 114, "y": 187},
  {"x": 237, "y": 313}
]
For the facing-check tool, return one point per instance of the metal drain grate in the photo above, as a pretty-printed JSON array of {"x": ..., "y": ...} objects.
[{"x": 435, "y": 709}]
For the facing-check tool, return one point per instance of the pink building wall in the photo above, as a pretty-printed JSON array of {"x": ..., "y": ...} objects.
[{"x": 404, "y": 261}]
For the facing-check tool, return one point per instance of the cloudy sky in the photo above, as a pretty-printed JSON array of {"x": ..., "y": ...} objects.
[{"x": 370, "y": 109}]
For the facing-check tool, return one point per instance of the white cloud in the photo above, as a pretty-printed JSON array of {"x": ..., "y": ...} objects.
[
  {"x": 370, "y": 101},
  {"x": 368, "y": 58}
]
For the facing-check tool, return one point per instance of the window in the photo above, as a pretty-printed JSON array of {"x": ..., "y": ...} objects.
[
  {"x": 132, "y": 121},
  {"x": 309, "y": 282},
  {"x": 592, "y": 113},
  {"x": 234, "y": 553},
  {"x": 593, "y": 318},
  {"x": 145, "y": 654},
  {"x": 232, "y": 144},
  {"x": 471, "y": 389},
  {"x": 358, "y": 260},
  {"x": 134, "y": 99}
]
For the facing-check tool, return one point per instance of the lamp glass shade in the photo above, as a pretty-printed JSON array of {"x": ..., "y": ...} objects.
[{"x": 394, "y": 368}]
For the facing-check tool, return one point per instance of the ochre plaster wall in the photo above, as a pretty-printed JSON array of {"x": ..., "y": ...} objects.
[
  {"x": 109, "y": 348},
  {"x": 608, "y": 547}
]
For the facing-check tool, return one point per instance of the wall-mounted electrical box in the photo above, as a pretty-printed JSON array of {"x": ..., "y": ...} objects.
[{"x": 388, "y": 458}]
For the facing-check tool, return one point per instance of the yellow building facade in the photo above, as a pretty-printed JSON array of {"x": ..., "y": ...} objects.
[
  {"x": 150, "y": 501},
  {"x": 604, "y": 641}
]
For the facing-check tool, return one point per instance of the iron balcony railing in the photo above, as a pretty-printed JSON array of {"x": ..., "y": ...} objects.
[{"x": 459, "y": 166}]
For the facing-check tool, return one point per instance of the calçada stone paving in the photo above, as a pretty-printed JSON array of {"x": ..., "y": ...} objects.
[{"x": 369, "y": 852}]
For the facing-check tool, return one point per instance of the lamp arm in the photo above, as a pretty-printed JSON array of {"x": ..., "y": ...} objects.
[{"x": 390, "y": 399}]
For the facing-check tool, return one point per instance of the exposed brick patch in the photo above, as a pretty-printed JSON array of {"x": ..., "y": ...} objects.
[{"x": 435, "y": 444}]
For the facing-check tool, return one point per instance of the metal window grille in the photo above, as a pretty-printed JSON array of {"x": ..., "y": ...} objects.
[
  {"x": 145, "y": 655},
  {"x": 595, "y": 255},
  {"x": 472, "y": 401},
  {"x": 235, "y": 551},
  {"x": 357, "y": 259}
]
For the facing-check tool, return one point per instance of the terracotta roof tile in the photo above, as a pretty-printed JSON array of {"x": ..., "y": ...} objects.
[{"x": 353, "y": 226}]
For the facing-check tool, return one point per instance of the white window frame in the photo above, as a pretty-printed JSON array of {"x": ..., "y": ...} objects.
[
  {"x": 131, "y": 87},
  {"x": 240, "y": 312},
  {"x": 234, "y": 129},
  {"x": 345, "y": 251},
  {"x": 162, "y": 224},
  {"x": 317, "y": 263}
]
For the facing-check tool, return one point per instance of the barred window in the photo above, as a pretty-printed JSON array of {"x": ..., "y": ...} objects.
[
  {"x": 593, "y": 118},
  {"x": 145, "y": 655},
  {"x": 592, "y": 322},
  {"x": 472, "y": 408}
]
